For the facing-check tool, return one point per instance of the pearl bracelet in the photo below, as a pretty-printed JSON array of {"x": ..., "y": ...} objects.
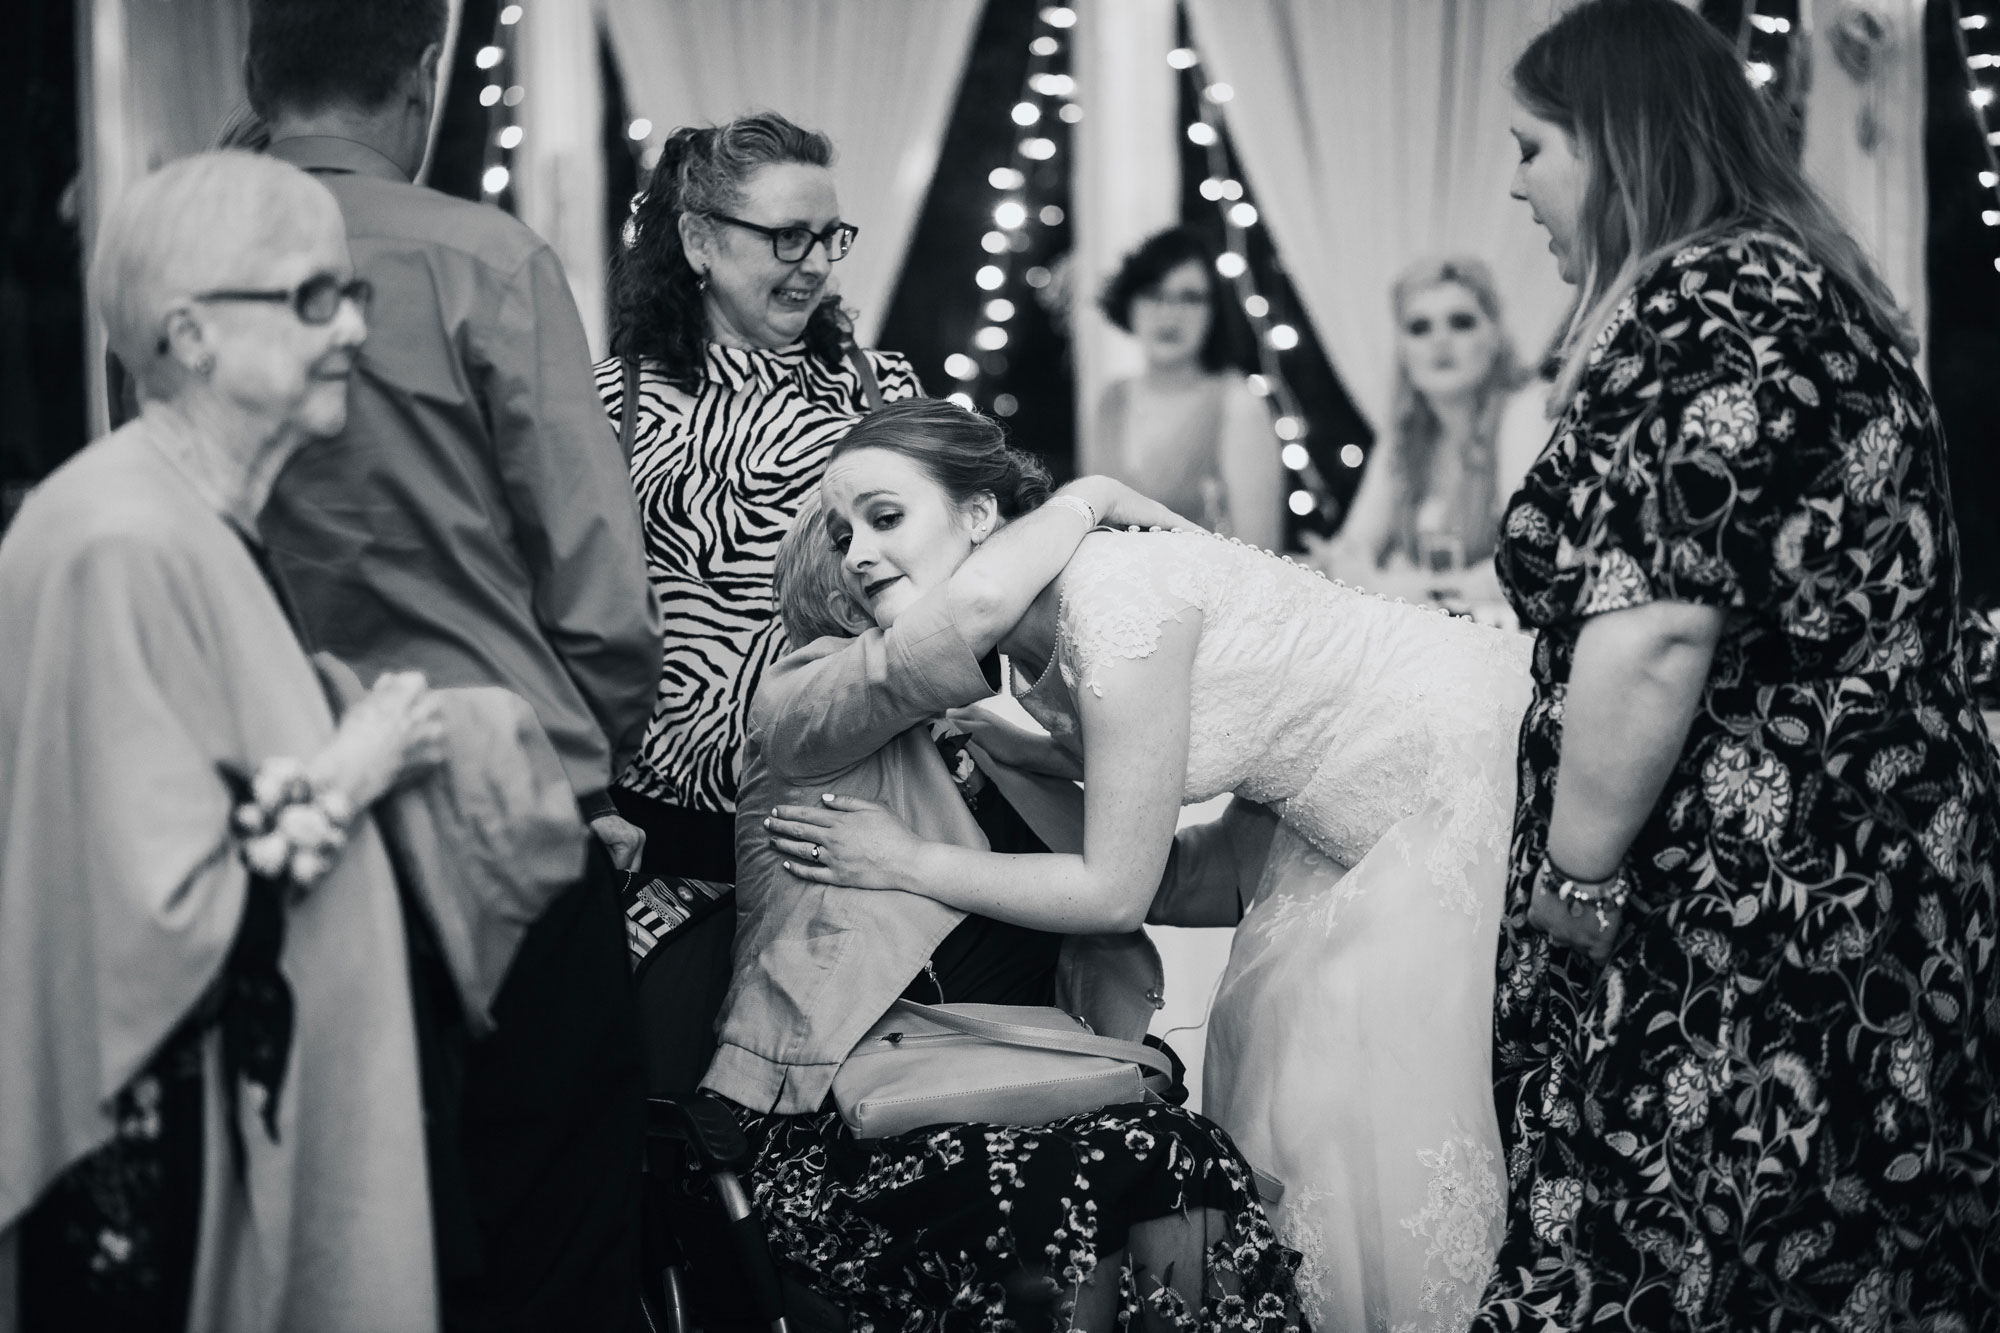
[{"x": 1077, "y": 503}]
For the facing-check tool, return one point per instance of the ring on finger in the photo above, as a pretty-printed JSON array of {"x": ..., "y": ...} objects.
[{"x": 815, "y": 852}]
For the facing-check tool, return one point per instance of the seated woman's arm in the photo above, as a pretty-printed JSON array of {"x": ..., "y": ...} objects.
[
  {"x": 1135, "y": 734},
  {"x": 822, "y": 712},
  {"x": 1214, "y": 867}
]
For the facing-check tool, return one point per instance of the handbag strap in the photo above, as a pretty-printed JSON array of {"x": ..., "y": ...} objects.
[
  {"x": 628, "y": 427},
  {"x": 871, "y": 389},
  {"x": 1045, "y": 1039}
]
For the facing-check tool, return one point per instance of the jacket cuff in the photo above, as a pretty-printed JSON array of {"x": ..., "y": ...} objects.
[
  {"x": 769, "y": 1086},
  {"x": 932, "y": 653},
  {"x": 596, "y": 804}
]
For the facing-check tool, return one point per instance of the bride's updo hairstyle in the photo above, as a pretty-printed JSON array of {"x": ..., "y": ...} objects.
[
  {"x": 1677, "y": 148},
  {"x": 963, "y": 452}
]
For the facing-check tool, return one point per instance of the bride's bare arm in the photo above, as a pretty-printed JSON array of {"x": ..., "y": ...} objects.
[
  {"x": 1135, "y": 736},
  {"x": 994, "y": 586},
  {"x": 821, "y": 712}
]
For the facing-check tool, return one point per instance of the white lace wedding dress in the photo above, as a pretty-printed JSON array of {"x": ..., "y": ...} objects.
[{"x": 1348, "y": 1049}]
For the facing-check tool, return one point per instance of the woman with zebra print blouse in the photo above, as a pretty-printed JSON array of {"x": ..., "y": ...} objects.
[{"x": 725, "y": 330}]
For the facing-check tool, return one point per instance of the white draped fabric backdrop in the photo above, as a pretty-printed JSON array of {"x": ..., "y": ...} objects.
[
  {"x": 876, "y": 76},
  {"x": 1375, "y": 135},
  {"x": 1125, "y": 181},
  {"x": 157, "y": 80},
  {"x": 1876, "y": 180}
]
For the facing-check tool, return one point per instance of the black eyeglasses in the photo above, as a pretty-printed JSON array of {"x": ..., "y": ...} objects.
[
  {"x": 791, "y": 244},
  {"x": 315, "y": 301}
]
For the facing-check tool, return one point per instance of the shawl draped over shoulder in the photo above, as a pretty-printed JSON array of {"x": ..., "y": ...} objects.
[{"x": 140, "y": 650}]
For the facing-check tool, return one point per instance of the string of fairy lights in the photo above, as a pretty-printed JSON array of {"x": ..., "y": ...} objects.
[
  {"x": 1981, "y": 97},
  {"x": 1309, "y": 491},
  {"x": 1046, "y": 90},
  {"x": 1972, "y": 64},
  {"x": 1762, "y": 72},
  {"x": 502, "y": 97},
  {"x": 1045, "y": 96}
]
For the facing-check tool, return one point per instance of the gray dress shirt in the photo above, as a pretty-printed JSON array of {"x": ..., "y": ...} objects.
[{"x": 475, "y": 520}]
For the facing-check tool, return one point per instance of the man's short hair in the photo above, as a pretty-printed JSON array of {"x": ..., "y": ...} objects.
[
  {"x": 812, "y": 596},
  {"x": 308, "y": 54}
]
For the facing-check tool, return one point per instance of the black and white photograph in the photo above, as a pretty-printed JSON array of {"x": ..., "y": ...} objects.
[{"x": 981, "y": 666}]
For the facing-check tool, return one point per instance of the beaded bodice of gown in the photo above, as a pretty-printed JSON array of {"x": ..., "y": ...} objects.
[{"x": 1344, "y": 710}]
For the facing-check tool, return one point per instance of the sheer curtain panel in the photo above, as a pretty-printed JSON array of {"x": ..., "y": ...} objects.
[
  {"x": 559, "y": 169},
  {"x": 1375, "y": 134},
  {"x": 1865, "y": 132}
]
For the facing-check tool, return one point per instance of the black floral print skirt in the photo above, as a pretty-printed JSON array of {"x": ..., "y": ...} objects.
[{"x": 993, "y": 1227}]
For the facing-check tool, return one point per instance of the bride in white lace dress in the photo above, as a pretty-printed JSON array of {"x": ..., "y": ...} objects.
[{"x": 1349, "y": 1041}]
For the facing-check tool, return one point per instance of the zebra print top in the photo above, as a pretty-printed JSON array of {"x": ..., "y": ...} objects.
[{"x": 719, "y": 475}]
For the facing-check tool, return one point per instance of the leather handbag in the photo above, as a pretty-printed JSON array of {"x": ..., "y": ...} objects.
[{"x": 998, "y": 1064}]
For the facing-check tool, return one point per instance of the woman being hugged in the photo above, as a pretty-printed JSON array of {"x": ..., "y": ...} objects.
[
  {"x": 1131, "y": 1212},
  {"x": 745, "y": 374},
  {"x": 1745, "y": 985}
]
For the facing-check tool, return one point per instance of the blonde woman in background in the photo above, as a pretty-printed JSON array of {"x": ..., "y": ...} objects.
[{"x": 1426, "y": 517}]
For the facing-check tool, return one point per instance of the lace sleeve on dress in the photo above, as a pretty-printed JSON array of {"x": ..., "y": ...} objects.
[{"x": 1118, "y": 594}]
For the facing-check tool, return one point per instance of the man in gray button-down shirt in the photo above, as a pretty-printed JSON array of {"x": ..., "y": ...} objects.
[{"x": 476, "y": 521}]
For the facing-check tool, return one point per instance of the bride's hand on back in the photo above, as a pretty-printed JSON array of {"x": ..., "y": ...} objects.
[
  {"x": 1119, "y": 506},
  {"x": 844, "y": 840}
]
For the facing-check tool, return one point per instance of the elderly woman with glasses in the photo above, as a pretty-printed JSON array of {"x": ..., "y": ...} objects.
[
  {"x": 213, "y": 987},
  {"x": 739, "y": 370}
]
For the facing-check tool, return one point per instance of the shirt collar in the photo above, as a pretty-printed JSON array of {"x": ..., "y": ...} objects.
[
  {"x": 331, "y": 152},
  {"x": 735, "y": 368}
]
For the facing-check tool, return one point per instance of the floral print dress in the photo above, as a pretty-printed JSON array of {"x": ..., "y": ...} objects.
[
  {"x": 1776, "y": 1106},
  {"x": 958, "y": 1228}
]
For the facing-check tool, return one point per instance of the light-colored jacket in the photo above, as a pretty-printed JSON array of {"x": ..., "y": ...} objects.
[{"x": 816, "y": 965}]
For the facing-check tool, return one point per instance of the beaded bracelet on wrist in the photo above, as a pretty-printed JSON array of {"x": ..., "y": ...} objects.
[
  {"x": 1598, "y": 895},
  {"x": 1079, "y": 505}
]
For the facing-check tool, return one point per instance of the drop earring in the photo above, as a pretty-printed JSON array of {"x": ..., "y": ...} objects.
[{"x": 701, "y": 283}]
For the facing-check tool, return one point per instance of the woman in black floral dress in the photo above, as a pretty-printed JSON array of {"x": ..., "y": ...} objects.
[{"x": 1746, "y": 994}]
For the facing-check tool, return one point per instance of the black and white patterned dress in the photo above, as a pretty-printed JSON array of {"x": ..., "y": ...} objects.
[
  {"x": 1777, "y": 1106},
  {"x": 719, "y": 474}
]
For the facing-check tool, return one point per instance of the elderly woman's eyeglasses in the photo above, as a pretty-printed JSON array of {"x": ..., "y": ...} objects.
[
  {"x": 791, "y": 244},
  {"x": 315, "y": 301}
]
